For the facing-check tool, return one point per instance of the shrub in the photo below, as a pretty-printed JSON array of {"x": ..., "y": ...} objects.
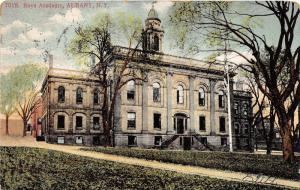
[
  {"x": 32, "y": 168},
  {"x": 240, "y": 162}
]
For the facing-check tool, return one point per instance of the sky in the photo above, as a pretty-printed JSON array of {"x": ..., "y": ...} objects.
[
  {"x": 28, "y": 28},
  {"x": 23, "y": 22}
]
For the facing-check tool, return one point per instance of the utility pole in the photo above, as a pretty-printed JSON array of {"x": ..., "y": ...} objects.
[
  {"x": 229, "y": 108},
  {"x": 227, "y": 80}
]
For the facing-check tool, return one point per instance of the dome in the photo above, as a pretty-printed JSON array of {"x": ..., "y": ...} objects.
[{"x": 152, "y": 14}]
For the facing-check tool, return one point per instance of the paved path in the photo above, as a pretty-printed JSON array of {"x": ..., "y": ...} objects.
[{"x": 227, "y": 175}]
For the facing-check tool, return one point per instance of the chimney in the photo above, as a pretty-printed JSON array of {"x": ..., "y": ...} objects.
[{"x": 50, "y": 60}]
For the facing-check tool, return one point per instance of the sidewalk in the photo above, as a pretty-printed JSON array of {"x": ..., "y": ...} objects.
[
  {"x": 274, "y": 152},
  {"x": 226, "y": 175}
]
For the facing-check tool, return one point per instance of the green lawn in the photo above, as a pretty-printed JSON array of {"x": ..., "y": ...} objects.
[
  {"x": 248, "y": 163},
  {"x": 31, "y": 168}
]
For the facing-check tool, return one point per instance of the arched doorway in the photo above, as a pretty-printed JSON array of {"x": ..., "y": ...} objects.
[{"x": 180, "y": 123}]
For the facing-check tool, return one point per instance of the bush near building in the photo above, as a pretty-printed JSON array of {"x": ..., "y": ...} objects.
[
  {"x": 240, "y": 162},
  {"x": 32, "y": 168}
]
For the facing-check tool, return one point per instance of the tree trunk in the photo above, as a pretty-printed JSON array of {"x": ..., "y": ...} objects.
[
  {"x": 24, "y": 127},
  {"x": 270, "y": 136},
  {"x": 269, "y": 147},
  {"x": 106, "y": 132},
  {"x": 6, "y": 125},
  {"x": 287, "y": 143}
]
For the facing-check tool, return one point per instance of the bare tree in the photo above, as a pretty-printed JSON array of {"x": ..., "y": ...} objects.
[
  {"x": 259, "y": 118},
  {"x": 217, "y": 21},
  {"x": 94, "y": 42}
]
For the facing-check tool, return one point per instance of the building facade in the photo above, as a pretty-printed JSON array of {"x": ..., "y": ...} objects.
[{"x": 182, "y": 104}]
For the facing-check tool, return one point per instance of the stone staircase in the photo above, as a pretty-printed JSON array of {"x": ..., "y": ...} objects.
[
  {"x": 168, "y": 141},
  {"x": 206, "y": 145}
]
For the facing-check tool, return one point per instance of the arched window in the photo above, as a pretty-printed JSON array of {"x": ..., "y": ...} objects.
[
  {"x": 156, "y": 43},
  {"x": 79, "y": 95},
  {"x": 130, "y": 90},
  {"x": 221, "y": 99},
  {"x": 61, "y": 94},
  {"x": 201, "y": 97},
  {"x": 180, "y": 94},
  {"x": 96, "y": 96},
  {"x": 156, "y": 92}
]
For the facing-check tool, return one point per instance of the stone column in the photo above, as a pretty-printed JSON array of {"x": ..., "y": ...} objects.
[
  {"x": 170, "y": 128},
  {"x": 192, "y": 104},
  {"x": 145, "y": 107},
  {"x": 212, "y": 107}
]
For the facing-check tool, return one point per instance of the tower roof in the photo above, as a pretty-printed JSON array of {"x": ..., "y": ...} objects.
[{"x": 152, "y": 13}]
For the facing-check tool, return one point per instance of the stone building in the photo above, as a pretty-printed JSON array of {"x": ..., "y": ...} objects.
[{"x": 182, "y": 104}]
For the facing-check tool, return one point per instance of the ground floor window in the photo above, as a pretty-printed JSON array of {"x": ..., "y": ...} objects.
[
  {"x": 157, "y": 140},
  {"x": 60, "y": 122},
  {"x": 132, "y": 141},
  {"x": 222, "y": 124},
  {"x": 202, "y": 123},
  {"x": 157, "y": 121},
  {"x": 131, "y": 120},
  {"x": 61, "y": 140},
  {"x": 96, "y": 140},
  {"x": 203, "y": 140},
  {"x": 96, "y": 123},
  {"x": 78, "y": 122},
  {"x": 79, "y": 140},
  {"x": 223, "y": 141}
]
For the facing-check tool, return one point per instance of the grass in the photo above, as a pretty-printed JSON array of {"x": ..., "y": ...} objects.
[
  {"x": 248, "y": 163},
  {"x": 32, "y": 168}
]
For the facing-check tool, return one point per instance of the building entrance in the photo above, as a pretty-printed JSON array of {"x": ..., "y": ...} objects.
[{"x": 180, "y": 123}]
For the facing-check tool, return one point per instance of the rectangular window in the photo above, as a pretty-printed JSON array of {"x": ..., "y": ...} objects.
[
  {"x": 79, "y": 140},
  {"x": 157, "y": 121},
  {"x": 203, "y": 140},
  {"x": 61, "y": 140},
  {"x": 79, "y": 96},
  {"x": 202, "y": 123},
  {"x": 60, "y": 122},
  {"x": 236, "y": 129},
  {"x": 78, "y": 122},
  {"x": 130, "y": 95},
  {"x": 157, "y": 140},
  {"x": 96, "y": 123},
  {"x": 221, "y": 101},
  {"x": 96, "y": 97},
  {"x": 222, "y": 124},
  {"x": 130, "y": 90},
  {"x": 132, "y": 141},
  {"x": 156, "y": 95},
  {"x": 223, "y": 141},
  {"x": 236, "y": 108},
  {"x": 131, "y": 120},
  {"x": 245, "y": 109},
  {"x": 246, "y": 129},
  {"x": 201, "y": 101}
]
